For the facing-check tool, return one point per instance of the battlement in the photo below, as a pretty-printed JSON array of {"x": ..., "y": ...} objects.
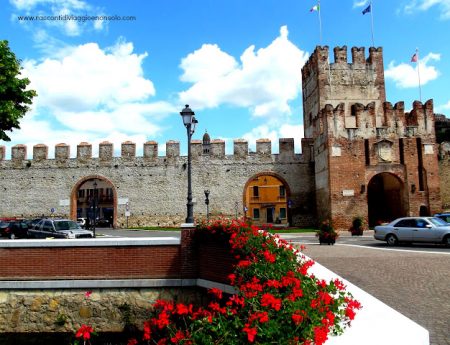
[
  {"x": 320, "y": 57},
  {"x": 150, "y": 150},
  {"x": 364, "y": 122}
]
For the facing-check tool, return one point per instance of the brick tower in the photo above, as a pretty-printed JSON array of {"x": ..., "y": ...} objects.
[{"x": 371, "y": 158}]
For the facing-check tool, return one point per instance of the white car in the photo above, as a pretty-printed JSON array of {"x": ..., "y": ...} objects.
[{"x": 414, "y": 229}]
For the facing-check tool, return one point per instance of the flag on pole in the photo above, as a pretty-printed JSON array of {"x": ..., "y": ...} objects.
[
  {"x": 415, "y": 57},
  {"x": 368, "y": 9},
  {"x": 314, "y": 8}
]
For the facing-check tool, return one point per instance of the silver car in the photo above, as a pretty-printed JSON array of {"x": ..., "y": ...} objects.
[
  {"x": 59, "y": 228},
  {"x": 414, "y": 229}
]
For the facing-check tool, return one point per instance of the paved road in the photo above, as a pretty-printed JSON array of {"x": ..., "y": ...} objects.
[
  {"x": 415, "y": 283},
  {"x": 413, "y": 279}
]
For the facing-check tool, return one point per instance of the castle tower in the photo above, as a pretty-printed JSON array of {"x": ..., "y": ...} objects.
[{"x": 371, "y": 159}]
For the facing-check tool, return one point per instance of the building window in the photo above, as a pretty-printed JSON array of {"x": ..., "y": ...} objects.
[
  {"x": 402, "y": 151},
  {"x": 282, "y": 192},
  {"x": 282, "y": 213},
  {"x": 367, "y": 151},
  {"x": 81, "y": 193},
  {"x": 255, "y": 191},
  {"x": 256, "y": 213}
]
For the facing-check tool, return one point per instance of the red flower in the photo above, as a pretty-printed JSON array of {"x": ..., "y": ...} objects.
[
  {"x": 179, "y": 336},
  {"x": 268, "y": 300},
  {"x": 132, "y": 342},
  {"x": 320, "y": 335},
  {"x": 269, "y": 256},
  {"x": 217, "y": 293},
  {"x": 181, "y": 309},
  {"x": 147, "y": 330},
  {"x": 88, "y": 294},
  {"x": 84, "y": 332},
  {"x": 251, "y": 333},
  {"x": 298, "y": 316}
]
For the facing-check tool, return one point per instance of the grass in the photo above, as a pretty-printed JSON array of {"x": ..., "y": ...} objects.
[{"x": 273, "y": 231}]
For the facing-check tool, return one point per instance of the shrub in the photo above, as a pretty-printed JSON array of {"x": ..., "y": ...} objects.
[
  {"x": 277, "y": 301},
  {"x": 326, "y": 231},
  {"x": 357, "y": 227}
]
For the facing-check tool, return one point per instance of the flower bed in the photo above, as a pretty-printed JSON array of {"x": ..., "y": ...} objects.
[{"x": 277, "y": 302}]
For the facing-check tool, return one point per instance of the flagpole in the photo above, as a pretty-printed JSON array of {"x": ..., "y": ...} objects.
[
  {"x": 418, "y": 74},
  {"x": 320, "y": 23},
  {"x": 371, "y": 17}
]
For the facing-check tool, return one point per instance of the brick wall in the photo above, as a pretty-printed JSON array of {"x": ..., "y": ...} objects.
[{"x": 118, "y": 262}]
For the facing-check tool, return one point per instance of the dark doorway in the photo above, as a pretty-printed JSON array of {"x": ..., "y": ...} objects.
[
  {"x": 270, "y": 214},
  {"x": 424, "y": 211},
  {"x": 385, "y": 198}
]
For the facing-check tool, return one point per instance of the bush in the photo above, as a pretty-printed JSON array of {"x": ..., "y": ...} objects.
[
  {"x": 277, "y": 301},
  {"x": 326, "y": 232}
]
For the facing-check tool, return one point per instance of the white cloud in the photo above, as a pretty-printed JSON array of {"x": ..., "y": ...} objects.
[
  {"x": 425, "y": 5},
  {"x": 443, "y": 107},
  {"x": 86, "y": 77},
  {"x": 406, "y": 75},
  {"x": 265, "y": 81},
  {"x": 96, "y": 93},
  {"x": 359, "y": 3}
]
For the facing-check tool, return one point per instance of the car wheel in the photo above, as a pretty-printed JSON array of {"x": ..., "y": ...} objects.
[
  {"x": 391, "y": 240},
  {"x": 447, "y": 241}
]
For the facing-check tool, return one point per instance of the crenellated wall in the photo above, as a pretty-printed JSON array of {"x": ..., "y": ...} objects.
[{"x": 155, "y": 187}]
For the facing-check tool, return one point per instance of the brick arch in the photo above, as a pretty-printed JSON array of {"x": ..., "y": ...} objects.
[
  {"x": 245, "y": 202},
  {"x": 386, "y": 199},
  {"x": 74, "y": 193}
]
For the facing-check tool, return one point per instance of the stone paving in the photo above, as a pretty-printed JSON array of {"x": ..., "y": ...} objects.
[{"x": 416, "y": 284}]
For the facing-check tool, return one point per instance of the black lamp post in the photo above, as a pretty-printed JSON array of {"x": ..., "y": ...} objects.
[
  {"x": 95, "y": 206},
  {"x": 189, "y": 122},
  {"x": 207, "y": 203}
]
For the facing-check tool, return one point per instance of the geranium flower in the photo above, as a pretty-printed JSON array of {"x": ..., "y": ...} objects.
[
  {"x": 251, "y": 333},
  {"x": 84, "y": 332}
]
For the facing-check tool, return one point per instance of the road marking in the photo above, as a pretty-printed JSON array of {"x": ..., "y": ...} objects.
[{"x": 392, "y": 249}]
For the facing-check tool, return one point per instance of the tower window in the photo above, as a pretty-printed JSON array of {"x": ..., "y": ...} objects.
[
  {"x": 367, "y": 151},
  {"x": 402, "y": 151},
  {"x": 255, "y": 191}
]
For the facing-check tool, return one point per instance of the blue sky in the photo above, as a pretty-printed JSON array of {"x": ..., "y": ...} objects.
[{"x": 237, "y": 63}]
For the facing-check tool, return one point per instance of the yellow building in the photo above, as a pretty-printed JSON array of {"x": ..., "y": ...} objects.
[{"x": 266, "y": 200}]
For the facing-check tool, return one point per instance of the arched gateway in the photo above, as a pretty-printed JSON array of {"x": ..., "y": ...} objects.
[
  {"x": 96, "y": 189},
  {"x": 386, "y": 200},
  {"x": 266, "y": 198}
]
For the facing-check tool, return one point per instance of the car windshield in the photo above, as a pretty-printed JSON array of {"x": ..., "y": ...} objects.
[
  {"x": 66, "y": 225},
  {"x": 437, "y": 221}
]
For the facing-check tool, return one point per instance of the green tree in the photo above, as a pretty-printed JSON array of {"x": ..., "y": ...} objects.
[{"x": 14, "y": 98}]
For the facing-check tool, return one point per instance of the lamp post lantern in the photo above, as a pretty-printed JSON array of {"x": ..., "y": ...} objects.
[
  {"x": 207, "y": 204},
  {"x": 189, "y": 122},
  {"x": 95, "y": 206}
]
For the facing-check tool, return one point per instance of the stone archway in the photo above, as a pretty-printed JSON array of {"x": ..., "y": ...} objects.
[
  {"x": 81, "y": 199},
  {"x": 385, "y": 198},
  {"x": 266, "y": 199}
]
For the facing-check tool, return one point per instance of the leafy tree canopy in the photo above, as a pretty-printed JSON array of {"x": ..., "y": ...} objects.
[{"x": 14, "y": 98}]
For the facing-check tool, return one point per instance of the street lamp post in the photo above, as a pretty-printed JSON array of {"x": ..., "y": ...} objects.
[
  {"x": 189, "y": 122},
  {"x": 207, "y": 204},
  {"x": 95, "y": 206}
]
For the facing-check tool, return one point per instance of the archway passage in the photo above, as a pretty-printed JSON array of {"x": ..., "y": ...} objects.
[
  {"x": 385, "y": 198},
  {"x": 94, "y": 197},
  {"x": 266, "y": 199}
]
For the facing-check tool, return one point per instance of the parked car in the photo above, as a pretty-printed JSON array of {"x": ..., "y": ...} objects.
[
  {"x": 443, "y": 216},
  {"x": 32, "y": 222},
  {"x": 59, "y": 228},
  {"x": 103, "y": 223},
  {"x": 14, "y": 229},
  {"x": 414, "y": 229}
]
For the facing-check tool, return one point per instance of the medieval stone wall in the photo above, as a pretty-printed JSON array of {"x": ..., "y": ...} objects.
[{"x": 154, "y": 186}]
